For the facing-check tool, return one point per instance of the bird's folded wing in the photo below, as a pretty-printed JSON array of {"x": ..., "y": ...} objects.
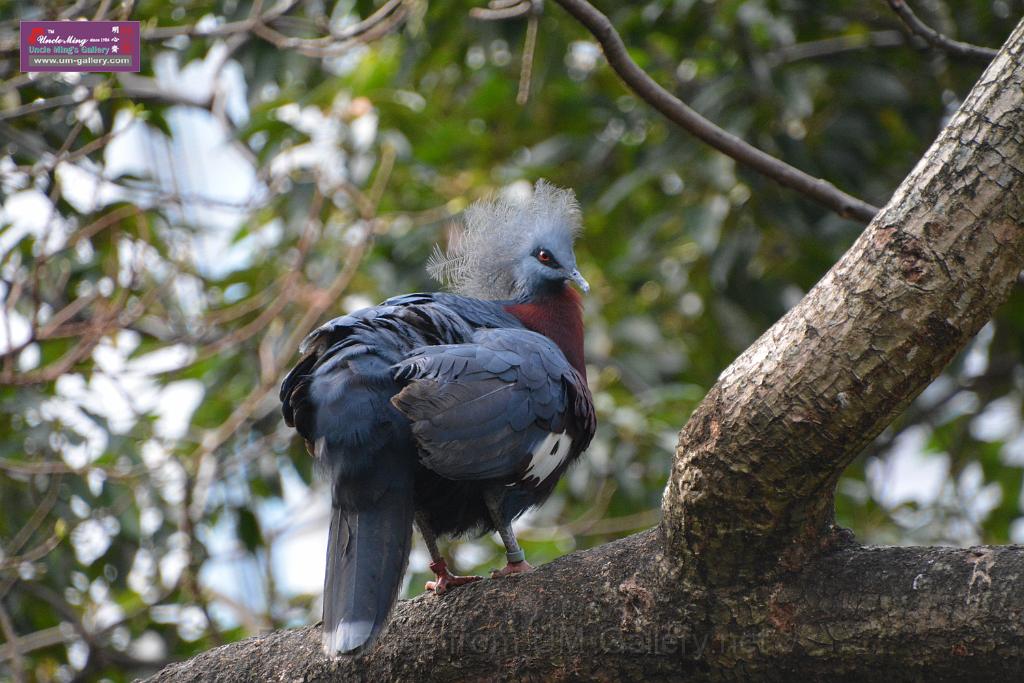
[{"x": 483, "y": 410}]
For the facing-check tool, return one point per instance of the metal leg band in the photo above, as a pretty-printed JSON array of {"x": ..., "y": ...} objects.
[{"x": 517, "y": 556}]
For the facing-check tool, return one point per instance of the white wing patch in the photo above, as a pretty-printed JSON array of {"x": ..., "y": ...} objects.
[{"x": 547, "y": 456}]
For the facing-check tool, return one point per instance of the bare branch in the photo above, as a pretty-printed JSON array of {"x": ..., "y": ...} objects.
[
  {"x": 10, "y": 635},
  {"x": 30, "y": 642},
  {"x": 526, "y": 70},
  {"x": 39, "y": 105},
  {"x": 52, "y": 467},
  {"x": 242, "y": 26},
  {"x": 830, "y": 47},
  {"x": 33, "y": 555},
  {"x": 385, "y": 19},
  {"x": 936, "y": 39},
  {"x": 637, "y": 80},
  {"x": 40, "y": 513},
  {"x": 499, "y": 10}
]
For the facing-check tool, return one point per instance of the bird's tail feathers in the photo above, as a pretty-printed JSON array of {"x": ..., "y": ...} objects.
[{"x": 367, "y": 552}]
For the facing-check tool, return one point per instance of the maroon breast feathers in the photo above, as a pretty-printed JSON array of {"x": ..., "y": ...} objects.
[{"x": 559, "y": 317}]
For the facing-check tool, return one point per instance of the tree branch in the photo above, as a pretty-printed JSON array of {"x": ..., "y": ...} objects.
[
  {"x": 382, "y": 21},
  {"x": 936, "y": 39},
  {"x": 677, "y": 111},
  {"x": 602, "y": 615},
  {"x": 830, "y": 47},
  {"x": 758, "y": 460}
]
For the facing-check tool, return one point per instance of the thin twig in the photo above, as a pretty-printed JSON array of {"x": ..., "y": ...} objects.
[
  {"x": 285, "y": 295},
  {"x": 836, "y": 45},
  {"x": 51, "y": 467},
  {"x": 38, "y": 514},
  {"x": 101, "y": 13},
  {"x": 39, "y": 105},
  {"x": 94, "y": 639},
  {"x": 34, "y": 555},
  {"x": 47, "y": 637},
  {"x": 113, "y": 316},
  {"x": 234, "y": 311},
  {"x": 73, "y": 10},
  {"x": 243, "y": 26},
  {"x": 678, "y": 112},
  {"x": 377, "y": 25},
  {"x": 526, "y": 71},
  {"x": 500, "y": 10},
  {"x": 382, "y": 21},
  {"x": 936, "y": 39},
  {"x": 11, "y": 636}
]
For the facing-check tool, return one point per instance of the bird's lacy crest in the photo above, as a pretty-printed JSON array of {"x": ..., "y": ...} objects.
[{"x": 480, "y": 259}]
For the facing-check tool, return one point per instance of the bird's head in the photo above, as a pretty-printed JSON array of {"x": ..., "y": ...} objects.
[
  {"x": 548, "y": 266},
  {"x": 514, "y": 249}
]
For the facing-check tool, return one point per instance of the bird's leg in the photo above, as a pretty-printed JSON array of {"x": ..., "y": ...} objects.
[
  {"x": 516, "y": 558},
  {"x": 445, "y": 579}
]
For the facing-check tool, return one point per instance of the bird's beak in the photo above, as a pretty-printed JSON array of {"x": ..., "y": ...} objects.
[{"x": 580, "y": 281}]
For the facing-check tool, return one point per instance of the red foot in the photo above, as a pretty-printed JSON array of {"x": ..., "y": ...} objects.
[
  {"x": 445, "y": 579},
  {"x": 512, "y": 568}
]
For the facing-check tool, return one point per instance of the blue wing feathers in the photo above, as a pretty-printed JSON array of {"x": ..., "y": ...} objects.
[{"x": 480, "y": 408}]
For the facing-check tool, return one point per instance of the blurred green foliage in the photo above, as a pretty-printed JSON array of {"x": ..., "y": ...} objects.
[{"x": 154, "y": 503}]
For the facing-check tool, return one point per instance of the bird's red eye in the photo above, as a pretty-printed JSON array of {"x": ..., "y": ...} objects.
[{"x": 544, "y": 256}]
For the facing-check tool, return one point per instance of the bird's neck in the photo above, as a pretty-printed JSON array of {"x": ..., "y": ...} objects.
[{"x": 559, "y": 317}]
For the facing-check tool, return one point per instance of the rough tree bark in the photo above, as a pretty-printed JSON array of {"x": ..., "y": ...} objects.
[{"x": 747, "y": 575}]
